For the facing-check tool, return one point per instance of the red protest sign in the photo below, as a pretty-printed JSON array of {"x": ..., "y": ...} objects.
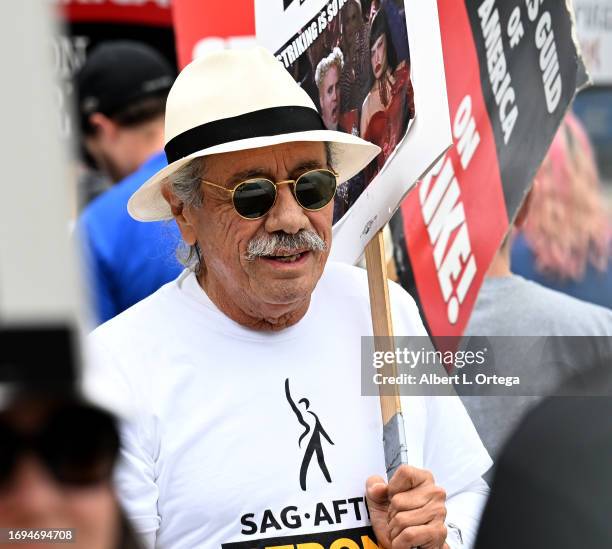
[
  {"x": 511, "y": 70},
  {"x": 152, "y": 12},
  {"x": 442, "y": 215},
  {"x": 202, "y": 26}
]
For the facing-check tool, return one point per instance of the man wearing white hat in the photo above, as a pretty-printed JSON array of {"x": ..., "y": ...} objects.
[{"x": 246, "y": 367}]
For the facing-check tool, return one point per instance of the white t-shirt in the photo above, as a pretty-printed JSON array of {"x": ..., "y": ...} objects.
[{"x": 239, "y": 436}]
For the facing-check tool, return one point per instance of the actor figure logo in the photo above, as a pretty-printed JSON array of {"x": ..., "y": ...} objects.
[
  {"x": 314, "y": 443},
  {"x": 287, "y": 3}
]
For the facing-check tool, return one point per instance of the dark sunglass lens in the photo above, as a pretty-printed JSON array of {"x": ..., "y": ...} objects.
[
  {"x": 315, "y": 189},
  {"x": 80, "y": 445},
  {"x": 9, "y": 452},
  {"x": 254, "y": 199}
]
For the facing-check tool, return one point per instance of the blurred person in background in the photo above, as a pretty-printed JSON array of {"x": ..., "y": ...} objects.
[
  {"x": 57, "y": 455},
  {"x": 509, "y": 305},
  {"x": 122, "y": 90},
  {"x": 566, "y": 242}
]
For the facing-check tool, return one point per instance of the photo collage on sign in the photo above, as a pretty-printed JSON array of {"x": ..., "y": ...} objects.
[{"x": 357, "y": 72}]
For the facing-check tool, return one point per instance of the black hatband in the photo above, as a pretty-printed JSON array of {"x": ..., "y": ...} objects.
[{"x": 265, "y": 122}]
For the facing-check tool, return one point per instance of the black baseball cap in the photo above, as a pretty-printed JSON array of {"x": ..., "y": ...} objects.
[{"x": 117, "y": 74}]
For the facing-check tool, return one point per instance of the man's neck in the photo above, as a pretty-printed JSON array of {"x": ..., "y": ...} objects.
[
  {"x": 241, "y": 309},
  {"x": 148, "y": 141},
  {"x": 500, "y": 265},
  {"x": 143, "y": 142}
]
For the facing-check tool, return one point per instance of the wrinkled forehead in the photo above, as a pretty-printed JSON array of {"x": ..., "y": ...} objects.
[{"x": 274, "y": 161}]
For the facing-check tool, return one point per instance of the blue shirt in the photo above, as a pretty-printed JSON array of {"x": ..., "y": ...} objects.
[
  {"x": 126, "y": 260},
  {"x": 594, "y": 287}
]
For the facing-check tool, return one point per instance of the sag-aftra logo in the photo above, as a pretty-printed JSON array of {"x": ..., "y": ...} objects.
[{"x": 313, "y": 431}]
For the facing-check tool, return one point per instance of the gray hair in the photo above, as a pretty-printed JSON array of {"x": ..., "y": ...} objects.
[
  {"x": 186, "y": 184},
  {"x": 334, "y": 58}
]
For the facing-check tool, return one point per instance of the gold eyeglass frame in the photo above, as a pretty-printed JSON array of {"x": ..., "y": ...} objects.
[{"x": 276, "y": 184}]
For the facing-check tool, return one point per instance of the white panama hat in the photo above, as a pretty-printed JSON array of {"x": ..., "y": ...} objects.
[{"x": 235, "y": 100}]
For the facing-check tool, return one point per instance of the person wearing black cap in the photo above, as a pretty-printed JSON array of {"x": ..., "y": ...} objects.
[{"x": 122, "y": 90}]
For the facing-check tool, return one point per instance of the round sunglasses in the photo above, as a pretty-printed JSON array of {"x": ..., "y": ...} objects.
[{"x": 254, "y": 198}]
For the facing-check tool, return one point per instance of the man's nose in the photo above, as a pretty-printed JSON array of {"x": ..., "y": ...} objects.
[{"x": 286, "y": 215}]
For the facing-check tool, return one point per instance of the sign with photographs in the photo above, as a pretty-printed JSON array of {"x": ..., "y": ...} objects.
[
  {"x": 512, "y": 69},
  {"x": 374, "y": 69}
]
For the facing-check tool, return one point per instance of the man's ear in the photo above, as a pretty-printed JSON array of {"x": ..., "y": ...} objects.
[
  {"x": 180, "y": 214},
  {"x": 104, "y": 126}
]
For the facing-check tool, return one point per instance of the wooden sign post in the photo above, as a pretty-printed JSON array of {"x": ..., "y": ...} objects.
[{"x": 394, "y": 437}]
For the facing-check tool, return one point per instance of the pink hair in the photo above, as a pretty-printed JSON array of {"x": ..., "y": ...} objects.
[{"x": 567, "y": 225}]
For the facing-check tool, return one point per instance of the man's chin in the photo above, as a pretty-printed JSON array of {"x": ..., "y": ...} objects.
[
  {"x": 281, "y": 284},
  {"x": 283, "y": 292}
]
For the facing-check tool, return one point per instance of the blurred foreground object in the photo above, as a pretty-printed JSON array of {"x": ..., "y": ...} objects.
[
  {"x": 56, "y": 464},
  {"x": 38, "y": 284},
  {"x": 50, "y": 440},
  {"x": 553, "y": 482},
  {"x": 566, "y": 240},
  {"x": 37, "y": 278}
]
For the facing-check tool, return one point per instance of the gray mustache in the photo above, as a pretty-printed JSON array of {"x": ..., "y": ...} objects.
[{"x": 274, "y": 244}]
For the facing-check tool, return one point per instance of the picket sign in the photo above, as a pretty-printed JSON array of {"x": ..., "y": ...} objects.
[
  {"x": 505, "y": 110},
  {"x": 390, "y": 405}
]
